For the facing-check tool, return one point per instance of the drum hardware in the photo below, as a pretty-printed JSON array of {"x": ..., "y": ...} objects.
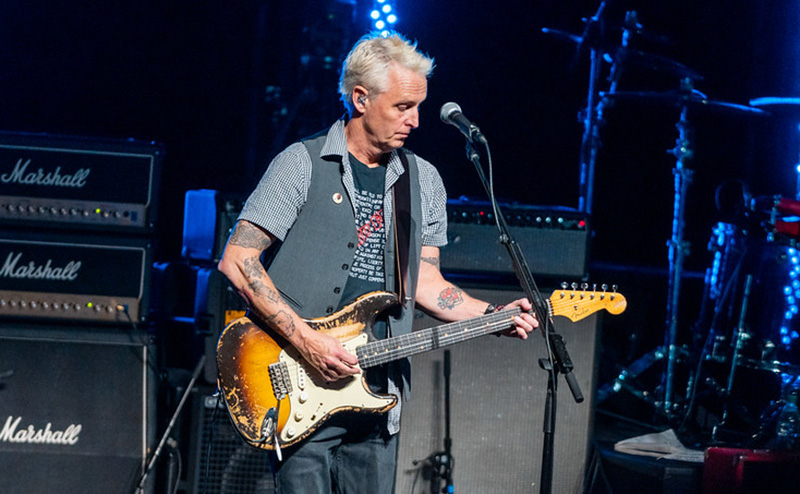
[
  {"x": 788, "y": 107},
  {"x": 618, "y": 56},
  {"x": 686, "y": 98},
  {"x": 738, "y": 342}
]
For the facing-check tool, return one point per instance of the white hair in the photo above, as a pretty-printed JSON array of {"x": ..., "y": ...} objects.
[{"x": 372, "y": 56}]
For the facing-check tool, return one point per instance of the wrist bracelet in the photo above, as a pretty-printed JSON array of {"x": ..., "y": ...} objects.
[{"x": 491, "y": 308}]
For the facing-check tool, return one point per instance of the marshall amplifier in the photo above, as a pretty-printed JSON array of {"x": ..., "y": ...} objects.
[
  {"x": 554, "y": 240},
  {"x": 82, "y": 279},
  {"x": 77, "y": 409},
  {"x": 78, "y": 182}
]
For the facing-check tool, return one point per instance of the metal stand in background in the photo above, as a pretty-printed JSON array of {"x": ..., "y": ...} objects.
[
  {"x": 592, "y": 118},
  {"x": 152, "y": 463},
  {"x": 558, "y": 359},
  {"x": 737, "y": 347},
  {"x": 678, "y": 249},
  {"x": 441, "y": 462}
]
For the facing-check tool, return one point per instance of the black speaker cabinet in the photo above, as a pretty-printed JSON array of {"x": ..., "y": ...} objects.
[
  {"x": 220, "y": 461},
  {"x": 77, "y": 409},
  {"x": 497, "y": 398}
]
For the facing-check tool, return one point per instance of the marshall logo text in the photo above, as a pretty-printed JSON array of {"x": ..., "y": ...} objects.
[
  {"x": 33, "y": 271},
  {"x": 11, "y": 433},
  {"x": 55, "y": 178}
]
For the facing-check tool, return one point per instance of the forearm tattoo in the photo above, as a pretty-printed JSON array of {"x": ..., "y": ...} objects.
[
  {"x": 248, "y": 235},
  {"x": 432, "y": 260},
  {"x": 283, "y": 321},
  {"x": 450, "y": 297}
]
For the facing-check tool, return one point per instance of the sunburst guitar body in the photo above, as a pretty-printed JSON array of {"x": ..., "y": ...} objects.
[{"x": 276, "y": 399}]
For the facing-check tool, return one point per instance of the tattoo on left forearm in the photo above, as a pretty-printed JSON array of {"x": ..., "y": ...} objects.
[
  {"x": 450, "y": 297},
  {"x": 432, "y": 260}
]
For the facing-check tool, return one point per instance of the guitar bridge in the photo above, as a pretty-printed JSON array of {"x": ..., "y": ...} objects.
[{"x": 281, "y": 382}]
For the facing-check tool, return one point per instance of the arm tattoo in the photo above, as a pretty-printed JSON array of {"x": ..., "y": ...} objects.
[
  {"x": 450, "y": 297},
  {"x": 248, "y": 235},
  {"x": 283, "y": 321},
  {"x": 432, "y": 260}
]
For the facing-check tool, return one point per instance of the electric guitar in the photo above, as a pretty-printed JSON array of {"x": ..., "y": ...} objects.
[{"x": 276, "y": 399}]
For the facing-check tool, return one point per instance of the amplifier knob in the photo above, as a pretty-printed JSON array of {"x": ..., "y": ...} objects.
[
  {"x": 31, "y": 208},
  {"x": 12, "y": 303},
  {"x": 3, "y": 303},
  {"x": 34, "y": 304},
  {"x": 23, "y": 304}
]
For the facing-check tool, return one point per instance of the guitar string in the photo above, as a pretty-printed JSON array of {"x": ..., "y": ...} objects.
[
  {"x": 381, "y": 351},
  {"x": 432, "y": 338}
]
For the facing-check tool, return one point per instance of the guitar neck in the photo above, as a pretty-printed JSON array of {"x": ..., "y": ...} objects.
[{"x": 390, "y": 349}]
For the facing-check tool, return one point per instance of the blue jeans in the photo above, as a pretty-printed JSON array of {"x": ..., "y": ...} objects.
[{"x": 350, "y": 454}]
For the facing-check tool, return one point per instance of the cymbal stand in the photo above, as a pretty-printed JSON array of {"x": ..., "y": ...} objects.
[
  {"x": 592, "y": 115},
  {"x": 678, "y": 247}
]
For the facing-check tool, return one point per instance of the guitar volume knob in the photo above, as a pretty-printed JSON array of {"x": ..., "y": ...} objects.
[{"x": 303, "y": 397}]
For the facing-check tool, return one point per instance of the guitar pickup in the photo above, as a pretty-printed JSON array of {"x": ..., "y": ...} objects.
[{"x": 279, "y": 377}]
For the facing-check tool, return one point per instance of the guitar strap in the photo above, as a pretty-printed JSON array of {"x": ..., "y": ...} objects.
[{"x": 402, "y": 226}]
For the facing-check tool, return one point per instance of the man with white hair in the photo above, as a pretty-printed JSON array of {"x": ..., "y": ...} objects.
[{"x": 350, "y": 211}]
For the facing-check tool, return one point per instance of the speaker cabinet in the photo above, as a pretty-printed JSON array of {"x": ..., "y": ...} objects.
[
  {"x": 497, "y": 399},
  {"x": 220, "y": 461},
  {"x": 76, "y": 409}
]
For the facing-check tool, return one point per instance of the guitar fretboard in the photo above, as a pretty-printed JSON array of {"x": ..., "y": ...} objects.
[{"x": 390, "y": 349}]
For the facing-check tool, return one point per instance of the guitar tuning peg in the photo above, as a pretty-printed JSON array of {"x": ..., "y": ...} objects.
[
  {"x": 614, "y": 288},
  {"x": 604, "y": 287},
  {"x": 584, "y": 286},
  {"x": 574, "y": 285},
  {"x": 564, "y": 285},
  {"x": 594, "y": 287}
]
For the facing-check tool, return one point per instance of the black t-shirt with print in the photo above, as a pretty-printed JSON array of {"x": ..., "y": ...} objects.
[{"x": 367, "y": 270}]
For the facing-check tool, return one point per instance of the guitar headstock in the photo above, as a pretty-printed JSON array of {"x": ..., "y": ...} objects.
[{"x": 575, "y": 304}]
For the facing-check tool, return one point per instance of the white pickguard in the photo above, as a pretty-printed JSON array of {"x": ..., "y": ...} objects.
[{"x": 313, "y": 399}]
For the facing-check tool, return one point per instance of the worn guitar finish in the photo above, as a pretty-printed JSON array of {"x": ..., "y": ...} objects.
[{"x": 272, "y": 393}]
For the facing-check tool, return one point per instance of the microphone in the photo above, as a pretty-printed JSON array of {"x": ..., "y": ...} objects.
[{"x": 451, "y": 114}]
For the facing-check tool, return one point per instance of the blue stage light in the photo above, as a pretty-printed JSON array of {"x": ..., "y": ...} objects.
[{"x": 383, "y": 14}]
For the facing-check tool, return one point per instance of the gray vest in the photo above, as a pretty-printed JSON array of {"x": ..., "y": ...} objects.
[{"x": 312, "y": 264}]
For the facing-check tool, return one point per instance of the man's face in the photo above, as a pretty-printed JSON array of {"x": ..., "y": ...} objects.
[{"x": 390, "y": 116}]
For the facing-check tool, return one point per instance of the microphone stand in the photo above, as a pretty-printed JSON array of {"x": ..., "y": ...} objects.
[
  {"x": 558, "y": 360},
  {"x": 152, "y": 463},
  {"x": 446, "y": 461},
  {"x": 441, "y": 462}
]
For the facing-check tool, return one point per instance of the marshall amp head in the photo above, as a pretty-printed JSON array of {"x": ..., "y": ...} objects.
[
  {"x": 554, "y": 240},
  {"x": 78, "y": 182},
  {"x": 88, "y": 279}
]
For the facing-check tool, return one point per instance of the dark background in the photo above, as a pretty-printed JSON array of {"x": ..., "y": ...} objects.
[{"x": 225, "y": 85}]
